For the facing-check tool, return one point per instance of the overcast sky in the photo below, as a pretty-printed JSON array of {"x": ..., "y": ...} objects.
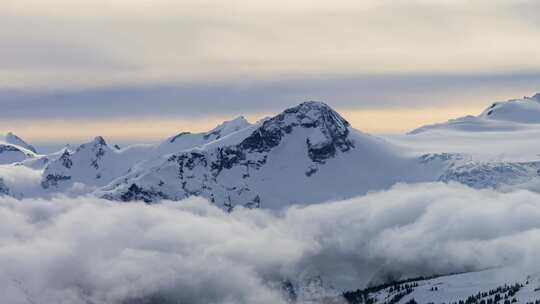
[{"x": 142, "y": 69}]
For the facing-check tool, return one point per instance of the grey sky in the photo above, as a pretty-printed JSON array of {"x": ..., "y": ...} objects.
[
  {"x": 118, "y": 59},
  {"x": 235, "y": 98}
]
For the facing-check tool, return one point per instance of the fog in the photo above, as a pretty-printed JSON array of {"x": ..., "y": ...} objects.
[{"x": 87, "y": 250}]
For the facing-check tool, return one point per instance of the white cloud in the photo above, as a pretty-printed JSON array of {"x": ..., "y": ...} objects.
[
  {"x": 85, "y": 249},
  {"x": 21, "y": 179}
]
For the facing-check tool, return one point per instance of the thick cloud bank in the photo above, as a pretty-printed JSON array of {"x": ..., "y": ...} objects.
[{"x": 87, "y": 250}]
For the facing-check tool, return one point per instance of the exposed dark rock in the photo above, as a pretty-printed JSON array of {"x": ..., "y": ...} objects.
[
  {"x": 4, "y": 189},
  {"x": 66, "y": 159},
  {"x": 216, "y": 133},
  {"x": 255, "y": 203},
  {"x": 52, "y": 180},
  {"x": 9, "y": 148},
  {"x": 136, "y": 193},
  {"x": 430, "y": 157},
  {"x": 178, "y": 136},
  {"x": 287, "y": 289},
  {"x": 227, "y": 158},
  {"x": 311, "y": 171}
]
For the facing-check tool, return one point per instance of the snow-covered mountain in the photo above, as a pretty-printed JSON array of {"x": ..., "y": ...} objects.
[
  {"x": 514, "y": 114},
  {"x": 525, "y": 110},
  {"x": 306, "y": 153},
  {"x": 14, "y": 149},
  {"x": 96, "y": 164},
  {"x": 17, "y": 141},
  {"x": 93, "y": 163}
]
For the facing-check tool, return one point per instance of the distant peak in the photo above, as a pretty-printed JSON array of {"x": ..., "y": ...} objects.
[
  {"x": 240, "y": 118},
  {"x": 227, "y": 127},
  {"x": 311, "y": 105},
  {"x": 16, "y": 140},
  {"x": 536, "y": 97},
  {"x": 97, "y": 142},
  {"x": 331, "y": 135},
  {"x": 236, "y": 123},
  {"x": 100, "y": 141},
  {"x": 311, "y": 112}
]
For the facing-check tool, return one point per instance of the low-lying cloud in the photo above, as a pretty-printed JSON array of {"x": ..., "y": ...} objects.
[{"x": 87, "y": 250}]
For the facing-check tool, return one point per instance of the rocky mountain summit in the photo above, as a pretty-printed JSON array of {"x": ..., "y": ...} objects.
[{"x": 305, "y": 151}]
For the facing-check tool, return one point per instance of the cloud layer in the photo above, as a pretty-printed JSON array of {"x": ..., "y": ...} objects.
[{"x": 85, "y": 250}]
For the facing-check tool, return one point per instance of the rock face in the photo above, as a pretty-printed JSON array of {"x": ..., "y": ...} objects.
[
  {"x": 284, "y": 159},
  {"x": 330, "y": 136}
]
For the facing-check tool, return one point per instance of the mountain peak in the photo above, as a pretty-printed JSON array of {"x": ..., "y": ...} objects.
[
  {"x": 329, "y": 130},
  {"x": 313, "y": 104},
  {"x": 229, "y": 126},
  {"x": 98, "y": 143},
  {"x": 13, "y": 139},
  {"x": 315, "y": 111},
  {"x": 536, "y": 97},
  {"x": 98, "y": 140}
]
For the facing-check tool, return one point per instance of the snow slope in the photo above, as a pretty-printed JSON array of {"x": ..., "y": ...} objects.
[
  {"x": 13, "y": 139},
  {"x": 526, "y": 110},
  {"x": 488, "y": 286},
  {"x": 511, "y": 115},
  {"x": 13, "y": 149}
]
